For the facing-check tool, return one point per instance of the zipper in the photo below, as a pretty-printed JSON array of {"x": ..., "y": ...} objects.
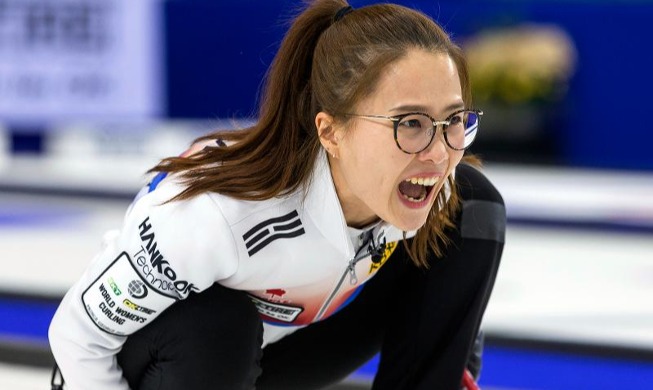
[{"x": 351, "y": 270}]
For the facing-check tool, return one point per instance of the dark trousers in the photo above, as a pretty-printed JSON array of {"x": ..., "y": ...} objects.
[{"x": 423, "y": 321}]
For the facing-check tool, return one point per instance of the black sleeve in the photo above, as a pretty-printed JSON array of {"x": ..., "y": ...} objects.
[{"x": 437, "y": 317}]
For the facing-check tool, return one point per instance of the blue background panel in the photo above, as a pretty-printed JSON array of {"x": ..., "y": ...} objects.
[{"x": 218, "y": 53}]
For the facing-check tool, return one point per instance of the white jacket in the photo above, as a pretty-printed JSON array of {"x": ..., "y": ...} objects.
[{"x": 292, "y": 254}]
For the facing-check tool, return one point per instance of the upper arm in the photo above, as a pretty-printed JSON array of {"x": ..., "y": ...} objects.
[
  {"x": 163, "y": 252},
  {"x": 483, "y": 208}
]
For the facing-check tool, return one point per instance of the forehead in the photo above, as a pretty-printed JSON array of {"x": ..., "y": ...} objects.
[{"x": 418, "y": 79}]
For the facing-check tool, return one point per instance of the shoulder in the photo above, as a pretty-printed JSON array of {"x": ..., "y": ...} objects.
[
  {"x": 197, "y": 212},
  {"x": 472, "y": 183},
  {"x": 192, "y": 235},
  {"x": 483, "y": 208}
]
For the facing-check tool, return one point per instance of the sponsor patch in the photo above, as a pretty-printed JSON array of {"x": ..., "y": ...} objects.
[
  {"x": 153, "y": 265},
  {"x": 284, "y": 313},
  {"x": 120, "y": 301},
  {"x": 377, "y": 263}
]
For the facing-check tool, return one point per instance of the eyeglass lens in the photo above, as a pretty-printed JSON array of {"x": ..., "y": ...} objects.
[{"x": 415, "y": 131}]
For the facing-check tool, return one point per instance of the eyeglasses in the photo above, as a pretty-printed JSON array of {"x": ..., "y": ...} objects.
[{"x": 415, "y": 131}]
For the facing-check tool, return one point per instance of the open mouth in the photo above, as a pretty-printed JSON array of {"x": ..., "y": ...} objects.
[{"x": 416, "y": 190}]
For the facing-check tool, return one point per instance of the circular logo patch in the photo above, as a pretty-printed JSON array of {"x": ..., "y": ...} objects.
[{"x": 137, "y": 289}]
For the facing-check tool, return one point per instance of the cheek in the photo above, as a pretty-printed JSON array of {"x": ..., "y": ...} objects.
[
  {"x": 454, "y": 158},
  {"x": 372, "y": 170},
  {"x": 364, "y": 173},
  {"x": 386, "y": 171},
  {"x": 373, "y": 164}
]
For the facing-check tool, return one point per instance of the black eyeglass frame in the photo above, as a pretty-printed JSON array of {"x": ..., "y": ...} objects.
[{"x": 396, "y": 119}]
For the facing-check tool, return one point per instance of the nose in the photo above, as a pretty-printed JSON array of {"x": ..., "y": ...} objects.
[{"x": 437, "y": 152}]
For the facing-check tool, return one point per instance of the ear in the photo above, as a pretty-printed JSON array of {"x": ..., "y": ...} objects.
[{"x": 328, "y": 132}]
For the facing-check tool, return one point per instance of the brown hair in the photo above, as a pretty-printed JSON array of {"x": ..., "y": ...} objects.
[{"x": 322, "y": 65}]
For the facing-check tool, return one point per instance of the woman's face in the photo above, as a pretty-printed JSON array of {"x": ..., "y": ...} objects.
[{"x": 368, "y": 168}]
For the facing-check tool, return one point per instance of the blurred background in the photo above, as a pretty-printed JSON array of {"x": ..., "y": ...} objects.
[{"x": 93, "y": 93}]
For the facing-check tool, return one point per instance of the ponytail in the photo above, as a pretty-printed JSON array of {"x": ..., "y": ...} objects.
[{"x": 275, "y": 156}]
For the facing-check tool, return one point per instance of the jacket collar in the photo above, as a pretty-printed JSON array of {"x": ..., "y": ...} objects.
[{"x": 323, "y": 206}]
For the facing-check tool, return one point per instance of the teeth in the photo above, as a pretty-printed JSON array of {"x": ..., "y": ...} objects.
[
  {"x": 429, "y": 182},
  {"x": 410, "y": 198}
]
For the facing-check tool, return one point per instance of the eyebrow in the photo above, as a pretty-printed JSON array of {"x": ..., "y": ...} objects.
[{"x": 419, "y": 108}]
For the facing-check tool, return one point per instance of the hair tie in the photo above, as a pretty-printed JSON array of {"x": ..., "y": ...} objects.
[{"x": 342, "y": 12}]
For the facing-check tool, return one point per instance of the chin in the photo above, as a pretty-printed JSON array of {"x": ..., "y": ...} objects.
[
  {"x": 408, "y": 219},
  {"x": 408, "y": 224}
]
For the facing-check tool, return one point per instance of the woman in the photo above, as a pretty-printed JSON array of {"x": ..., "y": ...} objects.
[{"x": 285, "y": 255}]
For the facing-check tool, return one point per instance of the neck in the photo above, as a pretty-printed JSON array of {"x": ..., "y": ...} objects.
[{"x": 357, "y": 214}]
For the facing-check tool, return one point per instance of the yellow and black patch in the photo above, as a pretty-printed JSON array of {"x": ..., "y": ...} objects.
[{"x": 387, "y": 251}]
